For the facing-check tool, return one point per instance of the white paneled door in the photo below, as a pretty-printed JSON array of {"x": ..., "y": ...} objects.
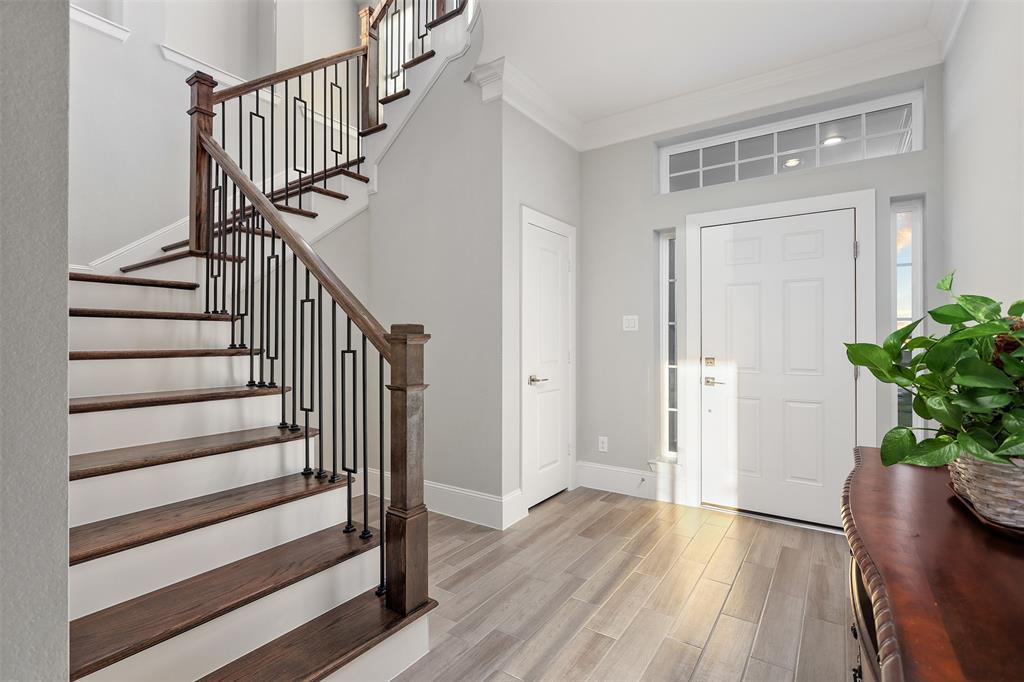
[
  {"x": 546, "y": 376},
  {"x": 778, "y": 397}
]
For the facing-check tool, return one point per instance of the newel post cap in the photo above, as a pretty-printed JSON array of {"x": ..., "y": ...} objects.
[
  {"x": 407, "y": 333},
  {"x": 202, "y": 79}
]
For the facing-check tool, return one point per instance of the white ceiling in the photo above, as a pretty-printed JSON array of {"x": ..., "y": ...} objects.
[{"x": 597, "y": 59}]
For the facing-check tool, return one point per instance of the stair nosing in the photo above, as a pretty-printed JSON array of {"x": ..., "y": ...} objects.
[
  {"x": 117, "y": 545},
  {"x": 170, "y": 257},
  {"x": 161, "y": 353},
  {"x": 179, "y": 451},
  {"x": 131, "y": 281},
  {"x": 130, "y": 401},
  {"x": 240, "y": 599},
  {"x": 429, "y": 54}
]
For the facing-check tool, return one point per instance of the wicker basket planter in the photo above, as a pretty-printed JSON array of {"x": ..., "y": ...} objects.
[{"x": 995, "y": 490}]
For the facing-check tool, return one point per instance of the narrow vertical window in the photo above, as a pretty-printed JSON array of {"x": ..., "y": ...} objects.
[
  {"x": 669, "y": 356},
  {"x": 908, "y": 294}
]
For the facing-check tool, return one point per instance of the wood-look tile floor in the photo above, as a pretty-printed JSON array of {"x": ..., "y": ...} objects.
[{"x": 601, "y": 586}]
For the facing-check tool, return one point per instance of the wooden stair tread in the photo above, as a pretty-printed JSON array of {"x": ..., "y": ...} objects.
[
  {"x": 315, "y": 649},
  {"x": 144, "y": 354},
  {"x": 102, "y": 462},
  {"x": 429, "y": 54},
  {"x": 446, "y": 17},
  {"x": 328, "y": 193},
  {"x": 295, "y": 210},
  {"x": 395, "y": 96},
  {"x": 109, "y": 536},
  {"x": 171, "y": 257},
  {"x": 112, "y": 634},
  {"x": 127, "y": 401},
  {"x": 149, "y": 314},
  {"x": 373, "y": 129},
  {"x": 131, "y": 281},
  {"x": 259, "y": 232}
]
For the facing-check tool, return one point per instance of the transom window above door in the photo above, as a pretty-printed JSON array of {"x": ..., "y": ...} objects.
[{"x": 881, "y": 127}]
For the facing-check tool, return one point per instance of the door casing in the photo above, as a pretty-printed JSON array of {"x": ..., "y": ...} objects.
[
  {"x": 529, "y": 216},
  {"x": 863, "y": 204}
]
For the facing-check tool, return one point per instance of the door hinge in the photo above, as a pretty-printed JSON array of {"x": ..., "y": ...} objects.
[{"x": 856, "y": 249}]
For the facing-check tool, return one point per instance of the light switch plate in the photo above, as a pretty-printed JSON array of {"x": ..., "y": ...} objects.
[
  {"x": 602, "y": 443},
  {"x": 630, "y": 323}
]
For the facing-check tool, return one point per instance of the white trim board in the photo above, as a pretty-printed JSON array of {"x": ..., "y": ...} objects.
[
  {"x": 863, "y": 204},
  {"x": 99, "y": 24},
  {"x": 484, "y": 509}
]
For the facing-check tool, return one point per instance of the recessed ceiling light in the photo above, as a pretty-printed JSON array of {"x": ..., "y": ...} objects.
[
  {"x": 791, "y": 163},
  {"x": 835, "y": 139}
]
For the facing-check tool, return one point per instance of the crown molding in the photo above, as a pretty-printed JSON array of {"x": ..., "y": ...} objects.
[
  {"x": 899, "y": 54},
  {"x": 501, "y": 79},
  {"x": 944, "y": 21},
  {"x": 98, "y": 23}
]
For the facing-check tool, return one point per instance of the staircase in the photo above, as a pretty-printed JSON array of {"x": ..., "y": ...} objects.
[{"x": 228, "y": 401}]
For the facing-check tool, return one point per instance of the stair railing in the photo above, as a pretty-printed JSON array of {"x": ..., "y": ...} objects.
[{"x": 281, "y": 137}]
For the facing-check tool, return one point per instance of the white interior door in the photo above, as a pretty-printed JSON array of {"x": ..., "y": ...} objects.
[
  {"x": 778, "y": 397},
  {"x": 546, "y": 375}
]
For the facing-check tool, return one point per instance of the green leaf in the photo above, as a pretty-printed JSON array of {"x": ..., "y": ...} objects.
[
  {"x": 1012, "y": 366},
  {"x": 1016, "y": 309},
  {"x": 981, "y": 400},
  {"x": 897, "y": 445},
  {"x": 921, "y": 407},
  {"x": 976, "y": 449},
  {"x": 893, "y": 343},
  {"x": 979, "y": 374},
  {"x": 1013, "y": 421},
  {"x": 942, "y": 356},
  {"x": 991, "y": 328},
  {"x": 981, "y": 308},
  {"x": 920, "y": 342},
  {"x": 946, "y": 283},
  {"x": 869, "y": 355},
  {"x": 944, "y": 411},
  {"x": 1012, "y": 446},
  {"x": 986, "y": 439},
  {"x": 951, "y": 313},
  {"x": 934, "y": 452},
  {"x": 932, "y": 383}
]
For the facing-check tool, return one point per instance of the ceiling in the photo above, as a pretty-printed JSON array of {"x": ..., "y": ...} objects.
[{"x": 598, "y": 58}]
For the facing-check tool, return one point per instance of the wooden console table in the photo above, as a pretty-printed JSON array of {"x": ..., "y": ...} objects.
[{"x": 936, "y": 595}]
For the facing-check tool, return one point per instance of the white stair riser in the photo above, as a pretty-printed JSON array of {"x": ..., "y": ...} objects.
[
  {"x": 115, "y": 578},
  {"x": 92, "y": 431},
  {"x": 390, "y": 658},
  {"x": 113, "y": 333},
  {"x": 188, "y": 269},
  {"x": 218, "y": 642},
  {"x": 105, "y": 377},
  {"x": 102, "y": 497},
  {"x": 96, "y": 295}
]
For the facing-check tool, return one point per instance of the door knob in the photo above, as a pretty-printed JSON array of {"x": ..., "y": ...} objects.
[
  {"x": 534, "y": 380},
  {"x": 710, "y": 381}
]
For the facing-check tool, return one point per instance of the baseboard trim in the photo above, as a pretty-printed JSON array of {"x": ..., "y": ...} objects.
[
  {"x": 484, "y": 509},
  {"x": 662, "y": 482}
]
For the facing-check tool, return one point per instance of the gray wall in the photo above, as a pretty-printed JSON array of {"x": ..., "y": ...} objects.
[
  {"x": 618, "y": 372},
  {"x": 435, "y": 249},
  {"x": 33, "y": 341},
  {"x": 984, "y": 114},
  {"x": 540, "y": 171}
]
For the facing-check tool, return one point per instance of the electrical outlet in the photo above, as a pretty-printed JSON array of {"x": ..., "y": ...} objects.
[
  {"x": 602, "y": 443},
  {"x": 630, "y": 323}
]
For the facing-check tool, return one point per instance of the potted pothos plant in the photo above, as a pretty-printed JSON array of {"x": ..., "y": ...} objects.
[{"x": 968, "y": 385}]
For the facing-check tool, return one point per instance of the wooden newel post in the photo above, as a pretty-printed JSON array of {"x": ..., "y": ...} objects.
[
  {"x": 371, "y": 72},
  {"x": 406, "y": 523},
  {"x": 201, "y": 113}
]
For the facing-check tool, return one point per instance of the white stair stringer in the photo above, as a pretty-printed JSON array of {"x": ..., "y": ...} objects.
[
  {"x": 203, "y": 649},
  {"x": 124, "y": 575},
  {"x": 103, "y": 497}
]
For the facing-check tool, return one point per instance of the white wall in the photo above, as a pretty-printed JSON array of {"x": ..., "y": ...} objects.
[
  {"x": 33, "y": 341},
  {"x": 984, "y": 163},
  {"x": 435, "y": 245},
  {"x": 619, "y": 374},
  {"x": 307, "y": 29},
  {"x": 540, "y": 171}
]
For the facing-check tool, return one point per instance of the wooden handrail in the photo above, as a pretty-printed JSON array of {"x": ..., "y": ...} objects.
[
  {"x": 285, "y": 74},
  {"x": 341, "y": 294},
  {"x": 378, "y": 12}
]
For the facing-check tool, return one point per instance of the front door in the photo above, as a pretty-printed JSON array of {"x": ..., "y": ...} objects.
[
  {"x": 778, "y": 397},
  {"x": 546, "y": 376}
]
